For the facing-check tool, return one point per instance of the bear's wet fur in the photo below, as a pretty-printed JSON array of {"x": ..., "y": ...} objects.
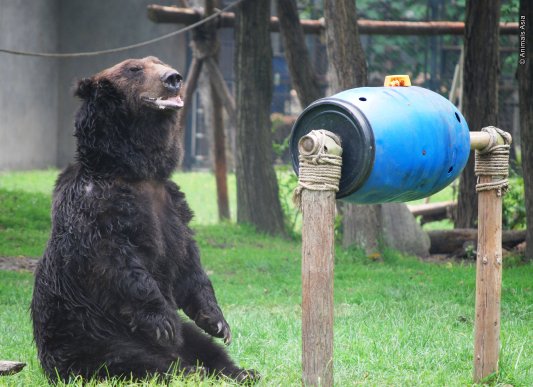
[{"x": 121, "y": 259}]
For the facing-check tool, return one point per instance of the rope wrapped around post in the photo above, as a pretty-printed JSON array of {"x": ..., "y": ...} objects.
[
  {"x": 320, "y": 163},
  {"x": 493, "y": 160}
]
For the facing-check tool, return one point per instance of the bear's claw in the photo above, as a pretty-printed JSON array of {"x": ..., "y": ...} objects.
[{"x": 226, "y": 332}]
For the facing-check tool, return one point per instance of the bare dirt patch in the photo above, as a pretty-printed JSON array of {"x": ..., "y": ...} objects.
[{"x": 27, "y": 264}]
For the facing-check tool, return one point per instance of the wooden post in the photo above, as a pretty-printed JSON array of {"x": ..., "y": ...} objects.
[
  {"x": 219, "y": 138},
  {"x": 488, "y": 271},
  {"x": 219, "y": 152},
  {"x": 488, "y": 283},
  {"x": 318, "y": 216},
  {"x": 190, "y": 86}
]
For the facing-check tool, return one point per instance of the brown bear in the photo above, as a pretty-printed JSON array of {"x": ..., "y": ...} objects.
[{"x": 121, "y": 259}]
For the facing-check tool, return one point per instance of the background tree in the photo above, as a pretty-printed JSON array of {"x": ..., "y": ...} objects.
[
  {"x": 303, "y": 76},
  {"x": 480, "y": 91},
  {"x": 365, "y": 225},
  {"x": 525, "y": 79},
  {"x": 257, "y": 188}
]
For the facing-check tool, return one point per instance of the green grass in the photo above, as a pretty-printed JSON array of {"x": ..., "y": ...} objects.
[
  {"x": 398, "y": 321},
  {"x": 198, "y": 188}
]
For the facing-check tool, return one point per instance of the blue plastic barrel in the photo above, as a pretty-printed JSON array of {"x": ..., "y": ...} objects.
[{"x": 399, "y": 143}]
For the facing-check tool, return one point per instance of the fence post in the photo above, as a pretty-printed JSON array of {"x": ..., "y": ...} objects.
[
  {"x": 319, "y": 174},
  {"x": 492, "y": 165}
]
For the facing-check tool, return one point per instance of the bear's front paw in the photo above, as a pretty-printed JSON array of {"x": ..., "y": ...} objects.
[
  {"x": 161, "y": 328},
  {"x": 217, "y": 327}
]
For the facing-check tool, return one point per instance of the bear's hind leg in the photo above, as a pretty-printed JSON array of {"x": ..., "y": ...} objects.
[
  {"x": 199, "y": 348},
  {"x": 130, "y": 360}
]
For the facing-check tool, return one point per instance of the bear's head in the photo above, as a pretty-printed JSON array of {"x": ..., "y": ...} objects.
[{"x": 127, "y": 125}]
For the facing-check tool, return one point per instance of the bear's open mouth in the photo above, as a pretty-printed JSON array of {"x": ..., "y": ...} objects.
[{"x": 173, "y": 103}]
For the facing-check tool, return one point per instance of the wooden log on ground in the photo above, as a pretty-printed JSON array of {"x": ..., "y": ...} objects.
[
  {"x": 187, "y": 16},
  {"x": 431, "y": 212},
  {"x": 453, "y": 241},
  {"x": 10, "y": 367}
]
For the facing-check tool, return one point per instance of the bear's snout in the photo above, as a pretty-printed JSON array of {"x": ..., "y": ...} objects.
[
  {"x": 164, "y": 95},
  {"x": 172, "y": 80}
]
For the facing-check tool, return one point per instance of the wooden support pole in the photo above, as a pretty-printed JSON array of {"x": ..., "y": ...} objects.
[
  {"x": 488, "y": 265},
  {"x": 318, "y": 252},
  {"x": 219, "y": 151},
  {"x": 221, "y": 88},
  {"x": 219, "y": 138},
  {"x": 488, "y": 283},
  {"x": 190, "y": 87}
]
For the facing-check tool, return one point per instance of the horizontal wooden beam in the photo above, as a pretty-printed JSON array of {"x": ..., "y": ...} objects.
[{"x": 187, "y": 16}]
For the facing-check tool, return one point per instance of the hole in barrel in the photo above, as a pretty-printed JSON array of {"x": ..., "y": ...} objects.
[
  {"x": 458, "y": 118},
  {"x": 450, "y": 169},
  {"x": 362, "y": 99}
]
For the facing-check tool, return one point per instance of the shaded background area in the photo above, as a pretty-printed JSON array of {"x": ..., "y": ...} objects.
[{"x": 37, "y": 107}]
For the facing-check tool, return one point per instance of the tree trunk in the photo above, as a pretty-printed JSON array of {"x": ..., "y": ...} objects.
[
  {"x": 257, "y": 188},
  {"x": 347, "y": 69},
  {"x": 364, "y": 225},
  {"x": 480, "y": 91},
  {"x": 345, "y": 53},
  {"x": 303, "y": 77},
  {"x": 354, "y": 216},
  {"x": 525, "y": 78}
]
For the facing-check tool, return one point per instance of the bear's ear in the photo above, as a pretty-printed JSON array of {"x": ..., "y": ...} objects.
[{"x": 85, "y": 88}]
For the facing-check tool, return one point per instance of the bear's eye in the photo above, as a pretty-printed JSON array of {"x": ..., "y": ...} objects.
[{"x": 135, "y": 69}]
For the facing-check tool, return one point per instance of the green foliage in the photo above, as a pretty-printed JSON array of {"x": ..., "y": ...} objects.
[
  {"x": 392, "y": 10},
  {"x": 287, "y": 182},
  {"x": 287, "y": 179},
  {"x": 280, "y": 142},
  {"x": 509, "y": 10},
  {"x": 514, "y": 207}
]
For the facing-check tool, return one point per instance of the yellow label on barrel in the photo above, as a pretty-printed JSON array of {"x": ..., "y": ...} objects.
[{"x": 397, "y": 80}]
